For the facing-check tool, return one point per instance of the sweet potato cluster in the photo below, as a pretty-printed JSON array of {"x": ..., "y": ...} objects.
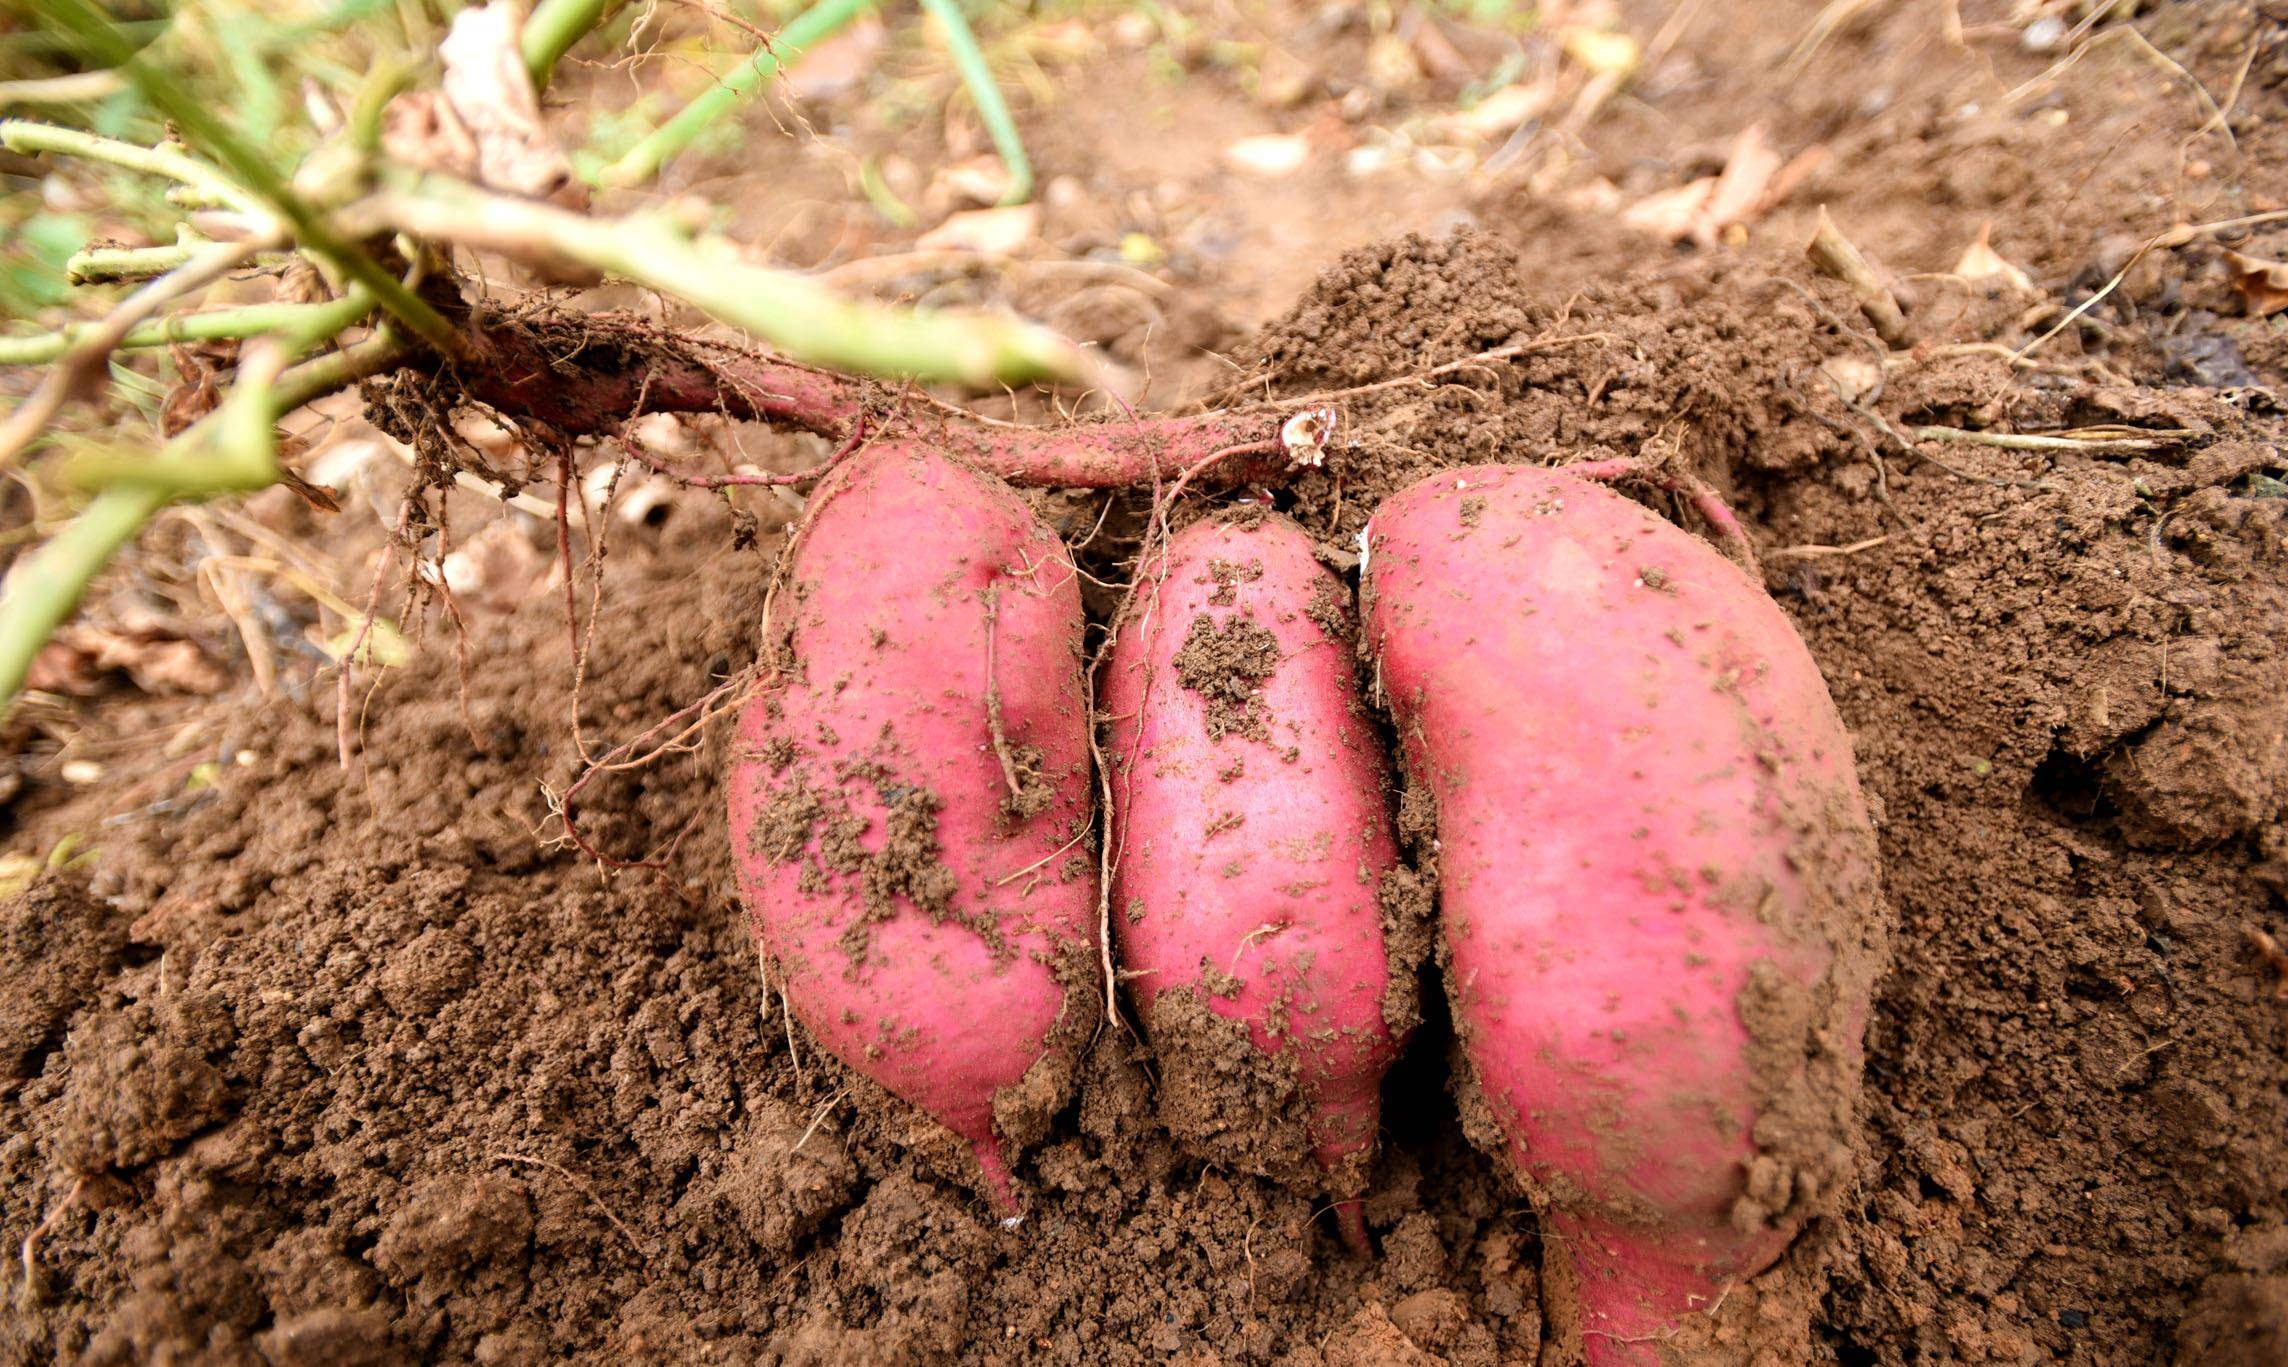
[{"x": 1655, "y": 878}]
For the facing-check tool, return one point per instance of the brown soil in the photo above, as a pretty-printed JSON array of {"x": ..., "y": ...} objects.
[
  {"x": 312, "y": 1066},
  {"x": 1226, "y": 666}
]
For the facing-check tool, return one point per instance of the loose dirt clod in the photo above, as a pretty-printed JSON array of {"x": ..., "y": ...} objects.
[{"x": 1226, "y": 665}]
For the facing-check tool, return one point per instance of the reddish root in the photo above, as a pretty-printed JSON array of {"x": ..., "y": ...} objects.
[
  {"x": 640, "y": 751},
  {"x": 1000, "y": 1187},
  {"x": 1731, "y": 536},
  {"x": 620, "y": 371}
]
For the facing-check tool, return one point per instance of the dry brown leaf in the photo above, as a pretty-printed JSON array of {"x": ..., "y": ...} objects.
[
  {"x": 988, "y": 232},
  {"x": 421, "y": 130},
  {"x": 1391, "y": 66},
  {"x": 1502, "y": 112},
  {"x": 1436, "y": 52},
  {"x": 496, "y": 569},
  {"x": 837, "y": 65},
  {"x": 1270, "y": 155},
  {"x": 1753, "y": 181},
  {"x": 1980, "y": 262},
  {"x": 981, "y": 180},
  {"x": 1604, "y": 52},
  {"x": 1785, "y": 180},
  {"x": 1852, "y": 375},
  {"x": 2263, "y": 284},
  {"x": 202, "y": 368},
  {"x": 1672, "y": 215},
  {"x": 1739, "y": 192},
  {"x": 156, "y": 660},
  {"x": 491, "y": 93}
]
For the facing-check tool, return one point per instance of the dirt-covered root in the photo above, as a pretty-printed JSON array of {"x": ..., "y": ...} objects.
[{"x": 586, "y": 376}]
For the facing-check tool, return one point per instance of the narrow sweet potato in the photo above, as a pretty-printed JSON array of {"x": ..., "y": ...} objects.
[
  {"x": 910, "y": 798},
  {"x": 1252, "y": 844},
  {"x": 1657, "y": 881}
]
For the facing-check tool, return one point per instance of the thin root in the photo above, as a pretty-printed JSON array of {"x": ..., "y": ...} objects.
[
  {"x": 31, "y": 1287},
  {"x": 584, "y": 1189}
]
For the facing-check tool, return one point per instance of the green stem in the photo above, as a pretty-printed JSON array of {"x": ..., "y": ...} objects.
[
  {"x": 27, "y": 138},
  {"x": 81, "y": 87},
  {"x": 211, "y": 325},
  {"x": 551, "y": 30},
  {"x": 254, "y": 171},
  {"x": 969, "y": 59},
  {"x": 803, "y": 319},
  {"x": 106, "y": 265},
  {"x": 339, "y": 369},
  {"x": 381, "y": 84},
  {"x": 38, "y": 42},
  {"x": 44, "y": 587},
  {"x": 642, "y": 162}
]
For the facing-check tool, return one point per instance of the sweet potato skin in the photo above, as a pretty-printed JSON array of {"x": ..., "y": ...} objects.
[
  {"x": 1252, "y": 839},
  {"x": 908, "y": 828},
  {"x": 1656, "y": 875}
]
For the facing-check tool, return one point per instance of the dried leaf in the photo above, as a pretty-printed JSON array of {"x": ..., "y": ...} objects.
[
  {"x": 1391, "y": 66},
  {"x": 1852, "y": 376},
  {"x": 1436, "y": 51},
  {"x": 1981, "y": 262},
  {"x": 154, "y": 659},
  {"x": 1785, "y": 180},
  {"x": 202, "y": 367},
  {"x": 2262, "y": 284},
  {"x": 1270, "y": 155},
  {"x": 496, "y": 569},
  {"x": 1671, "y": 214},
  {"x": 490, "y": 91},
  {"x": 1739, "y": 192},
  {"x": 1606, "y": 54},
  {"x": 1501, "y": 112},
  {"x": 836, "y": 65},
  {"x": 988, "y": 232},
  {"x": 421, "y": 130},
  {"x": 1754, "y": 179},
  {"x": 979, "y": 180}
]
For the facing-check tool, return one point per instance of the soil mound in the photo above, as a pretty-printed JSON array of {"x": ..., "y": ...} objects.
[{"x": 360, "y": 1067}]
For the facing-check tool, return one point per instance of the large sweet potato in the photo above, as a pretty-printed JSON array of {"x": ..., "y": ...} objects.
[
  {"x": 1656, "y": 877},
  {"x": 911, "y": 794},
  {"x": 1252, "y": 843}
]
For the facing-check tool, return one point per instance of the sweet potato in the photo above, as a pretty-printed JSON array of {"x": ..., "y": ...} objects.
[
  {"x": 1252, "y": 843},
  {"x": 911, "y": 793},
  {"x": 1657, "y": 883}
]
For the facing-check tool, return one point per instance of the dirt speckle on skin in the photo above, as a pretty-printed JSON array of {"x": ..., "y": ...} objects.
[
  {"x": 1228, "y": 575},
  {"x": 800, "y": 820},
  {"x": 1330, "y": 607},
  {"x": 1226, "y": 665}
]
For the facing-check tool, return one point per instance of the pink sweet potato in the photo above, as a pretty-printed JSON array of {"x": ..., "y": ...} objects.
[
  {"x": 1252, "y": 843},
  {"x": 910, "y": 795},
  {"x": 1657, "y": 882}
]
